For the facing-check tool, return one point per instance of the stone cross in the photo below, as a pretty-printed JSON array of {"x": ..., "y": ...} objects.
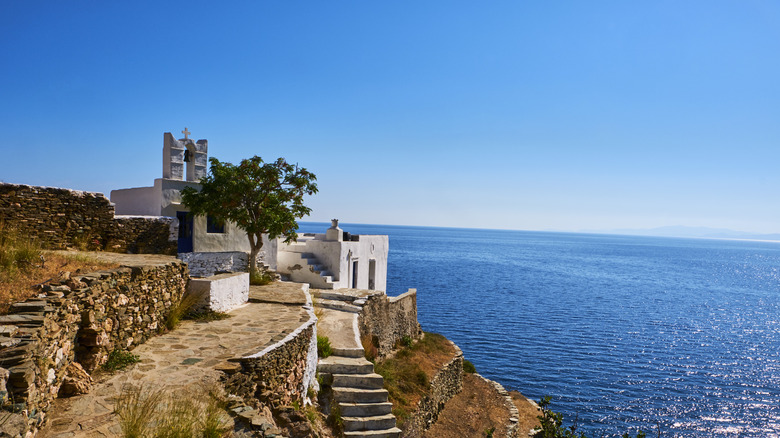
[{"x": 186, "y": 133}]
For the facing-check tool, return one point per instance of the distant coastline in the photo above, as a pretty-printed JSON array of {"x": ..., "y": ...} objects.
[
  {"x": 692, "y": 233},
  {"x": 681, "y": 232}
]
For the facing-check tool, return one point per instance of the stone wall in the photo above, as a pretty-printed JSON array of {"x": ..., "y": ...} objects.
[
  {"x": 512, "y": 429},
  {"x": 445, "y": 384},
  {"x": 282, "y": 372},
  {"x": 206, "y": 264},
  {"x": 80, "y": 321},
  {"x": 63, "y": 218},
  {"x": 144, "y": 235},
  {"x": 59, "y": 218},
  {"x": 388, "y": 319}
]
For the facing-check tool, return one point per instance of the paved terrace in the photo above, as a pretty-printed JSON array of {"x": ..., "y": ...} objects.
[{"x": 189, "y": 355}]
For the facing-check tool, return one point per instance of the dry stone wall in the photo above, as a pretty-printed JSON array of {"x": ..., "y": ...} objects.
[
  {"x": 447, "y": 382},
  {"x": 388, "y": 319},
  {"x": 63, "y": 218},
  {"x": 144, "y": 235},
  {"x": 282, "y": 372},
  {"x": 80, "y": 321}
]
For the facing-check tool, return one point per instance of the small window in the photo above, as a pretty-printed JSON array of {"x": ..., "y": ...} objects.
[{"x": 214, "y": 226}]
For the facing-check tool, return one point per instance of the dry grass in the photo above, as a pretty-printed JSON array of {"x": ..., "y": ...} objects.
[
  {"x": 22, "y": 268},
  {"x": 180, "y": 310},
  {"x": 370, "y": 347},
  {"x": 172, "y": 413},
  {"x": 408, "y": 373}
]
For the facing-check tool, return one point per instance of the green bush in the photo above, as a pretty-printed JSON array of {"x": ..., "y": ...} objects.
[
  {"x": 323, "y": 346},
  {"x": 261, "y": 278},
  {"x": 469, "y": 367},
  {"x": 334, "y": 420},
  {"x": 406, "y": 341},
  {"x": 119, "y": 360}
]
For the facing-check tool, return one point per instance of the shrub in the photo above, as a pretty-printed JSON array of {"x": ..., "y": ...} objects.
[
  {"x": 406, "y": 341},
  {"x": 323, "y": 346},
  {"x": 469, "y": 367},
  {"x": 335, "y": 421},
  {"x": 119, "y": 360},
  {"x": 261, "y": 278}
]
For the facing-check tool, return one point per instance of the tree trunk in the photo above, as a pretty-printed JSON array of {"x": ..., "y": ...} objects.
[{"x": 255, "y": 244}]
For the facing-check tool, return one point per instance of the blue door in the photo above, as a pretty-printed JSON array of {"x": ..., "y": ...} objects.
[{"x": 185, "y": 231}]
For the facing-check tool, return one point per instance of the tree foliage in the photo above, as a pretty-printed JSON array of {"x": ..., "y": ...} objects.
[{"x": 259, "y": 197}]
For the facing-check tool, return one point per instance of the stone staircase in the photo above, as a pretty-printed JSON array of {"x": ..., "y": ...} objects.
[
  {"x": 304, "y": 267},
  {"x": 337, "y": 301},
  {"x": 359, "y": 393}
]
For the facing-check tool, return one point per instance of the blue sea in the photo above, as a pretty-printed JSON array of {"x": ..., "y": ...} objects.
[{"x": 623, "y": 332}]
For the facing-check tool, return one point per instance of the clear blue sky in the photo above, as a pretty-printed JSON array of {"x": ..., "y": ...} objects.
[{"x": 563, "y": 115}]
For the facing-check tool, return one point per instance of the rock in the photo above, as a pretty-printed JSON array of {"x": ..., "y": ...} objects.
[
  {"x": 228, "y": 368},
  {"x": 15, "y": 426},
  {"x": 76, "y": 381}
]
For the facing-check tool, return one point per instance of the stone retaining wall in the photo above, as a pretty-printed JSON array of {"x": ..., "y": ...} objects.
[
  {"x": 511, "y": 427},
  {"x": 80, "y": 321},
  {"x": 63, "y": 218},
  {"x": 388, "y": 319},
  {"x": 281, "y": 373},
  {"x": 445, "y": 384}
]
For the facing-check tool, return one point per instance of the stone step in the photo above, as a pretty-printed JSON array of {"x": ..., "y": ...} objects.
[
  {"x": 31, "y": 306},
  {"x": 345, "y": 365},
  {"x": 349, "y": 352},
  {"x": 365, "y": 409},
  {"x": 357, "y": 395},
  {"x": 337, "y": 305},
  {"x": 363, "y": 381},
  {"x": 380, "y": 422},
  {"x": 332, "y": 296},
  {"x": 388, "y": 433}
]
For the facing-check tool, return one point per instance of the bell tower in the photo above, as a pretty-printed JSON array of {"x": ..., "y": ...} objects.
[{"x": 184, "y": 157}]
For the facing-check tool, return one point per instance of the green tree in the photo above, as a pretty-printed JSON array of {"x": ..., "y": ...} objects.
[{"x": 259, "y": 197}]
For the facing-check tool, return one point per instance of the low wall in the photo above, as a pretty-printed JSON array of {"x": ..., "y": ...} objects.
[
  {"x": 81, "y": 320},
  {"x": 388, "y": 319},
  {"x": 63, "y": 218},
  {"x": 220, "y": 293},
  {"x": 445, "y": 384},
  {"x": 206, "y": 264},
  {"x": 281, "y": 373},
  {"x": 512, "y": 430}
]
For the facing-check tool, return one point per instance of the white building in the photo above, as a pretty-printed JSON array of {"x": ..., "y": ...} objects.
[{"x": 332, "y": 260}]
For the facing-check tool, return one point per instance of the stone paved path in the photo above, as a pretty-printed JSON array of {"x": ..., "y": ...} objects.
[
  {"x": 338, "y": 327},
  {"x": 185, "y": 356}
]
